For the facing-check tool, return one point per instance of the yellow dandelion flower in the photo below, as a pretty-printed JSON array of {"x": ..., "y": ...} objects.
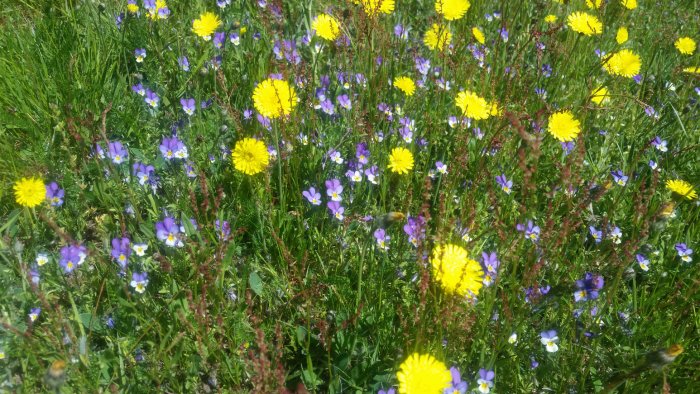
[
  {"x": 495, "y": 109},
  {"x": 478, "y": 35},
  {"x": 326, "y": 27},
  {"x": 374, "y": 7},
  {"x": 682, "y": 188},
  {"x": 438, "y": 36},
  {"x": 622, "y": 35},
  {"x": 205, "y": 26},
  {"x": 452, "y": 9},
  {"x": 456, "y": 272},
  {"x": 624, "y": 63},
  {"x": 692, "y": 70},
  {"x": 405, "y": 84},
  {"x": 250, "y": 156},
  {"x": 423, "y": 374},
  {"x": 594, "y": 4},
  {"x": 400, "y": 161},
  {"x": 584, "y": 23},
  {"x": 600, "y": 95},
  {"x": 685, "y": 45},
  {"x": 563, "y": 126},
  {"x": 629, "y": 4},
  {"x": 132, "y": 8},
  {"x": 30, "y": 192},
  {"x": 274, "y": 98},
  {"x": 551, "y": 18},
  {"x": 473, "y": 106}
]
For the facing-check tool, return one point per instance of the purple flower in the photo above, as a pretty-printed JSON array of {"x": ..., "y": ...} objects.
[
  {"x": 34, "y": 314},
  {"x": 151, "y": 98},
  {"x": 619, "y": 177},
  {"x": 371, "y": 174},
  {"x": 567, "y": 147},
  {"x": 637, "y": 78},
  {"x": 354, "y": 175},
  {"x": 219, "y": 39},
  {"x": 333, "y": 189},
  {"x": 596, "y": 234},
  {"x": 312, "y": 196},
  {"x": 504, "y": 183},
  {"x": 422, "y": 65},
  {"x": 264, "y": 122},
  {"x": 169, "y": 232},
  {"x": 121, "y": 251},
  {"x": 615, "y": 235},
  {"x": 401, "y": 32},
  {"x": 491, "y": 264},
  {"x": 684, "y": 252},
  {"x": 643, "y": 262},
  {"x": 173, "y": 148},
  {"x": 457, "y": 385},
  {"x": 71, "y": 257},
  {"x": 223, "y": 229},
  {"x": 139, "y": 54},
  {"x": 327, "y": 107},
  {"x": 188, "y": 105},
  {"x": 659, "y": 144},
  {"x": 183, "y": 63},
  {"x": 234, "y": 38},
  {"x": 653, "y": 165},
  {"x": 651, "y": 112},
  {"x": 441, "y": 167},
  {"x": 117, "y": 152},
  {"x": 144, "y": 173},
  {"x": 485, "y": 381},
  {"x": 534, "y": 293},
  {"x": 336, "y": 209},
  {"x": 34, "y": 275},
  {"x": 532, "y": 232},
  {"x": 415, "y": 229},
  {"x": 549, "y": 339},
  {"x": 54, "y": 194},
  {"x": 588, "y": 287},
  {"x": 139, "y": 280},
  {"x": 546, "y": 70},
  {"x": 533, "y": 363},
  {"x": 362, "y": 153},
  {"x": 388, "y": 391},
  {"x": 382, "y": 238},
  {"x": 504, "y": 34},
  {"x": 344, "y": 101},
  {"x": 139, "y": 89}
]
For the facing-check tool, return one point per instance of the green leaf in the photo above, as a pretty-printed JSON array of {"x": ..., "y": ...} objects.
[{"x": 255, "y": 283}]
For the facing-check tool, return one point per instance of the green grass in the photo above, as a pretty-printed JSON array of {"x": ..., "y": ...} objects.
[{"x": 295, "y": 298}]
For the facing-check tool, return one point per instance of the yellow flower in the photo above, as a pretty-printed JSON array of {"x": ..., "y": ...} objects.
[
  {"x": 405, "y": 84},
  {"x": 274, "y": 98},
  {"x": 550, "y": 18},
  {"x": 326, "y": 27},
  {"x": 452, "y": 9},
  {"x": 473, "y": 106},
  {"x": 600, "y": 95},
  {"x": 456, "y": 272},
  {"x": 478, "y": 35},
  {"x": 622, "y": 35},
  {"x": 685, "y": 45},
  {"x": 683, "y": 188},
  {"x": 132, "y": 8},
  {"x": 585, "y": 24},
  {"x": 438, "y": 36},
  {"x": 423, "y": 374},
  {"x": 629, "y": 4},
  {"x": 374, "y": 7},
  {"x": 207, "y": 23},
  {"x": 593, "y": 4},
  {"x": 624, "y": 63},
  {"x": 692, "y": 70},
  {"x": 401, "y": 160},
  {"x": 30, "y": 192},
  {"x": 250, "y": 156},
  {"x": 563, "y": 126}
]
